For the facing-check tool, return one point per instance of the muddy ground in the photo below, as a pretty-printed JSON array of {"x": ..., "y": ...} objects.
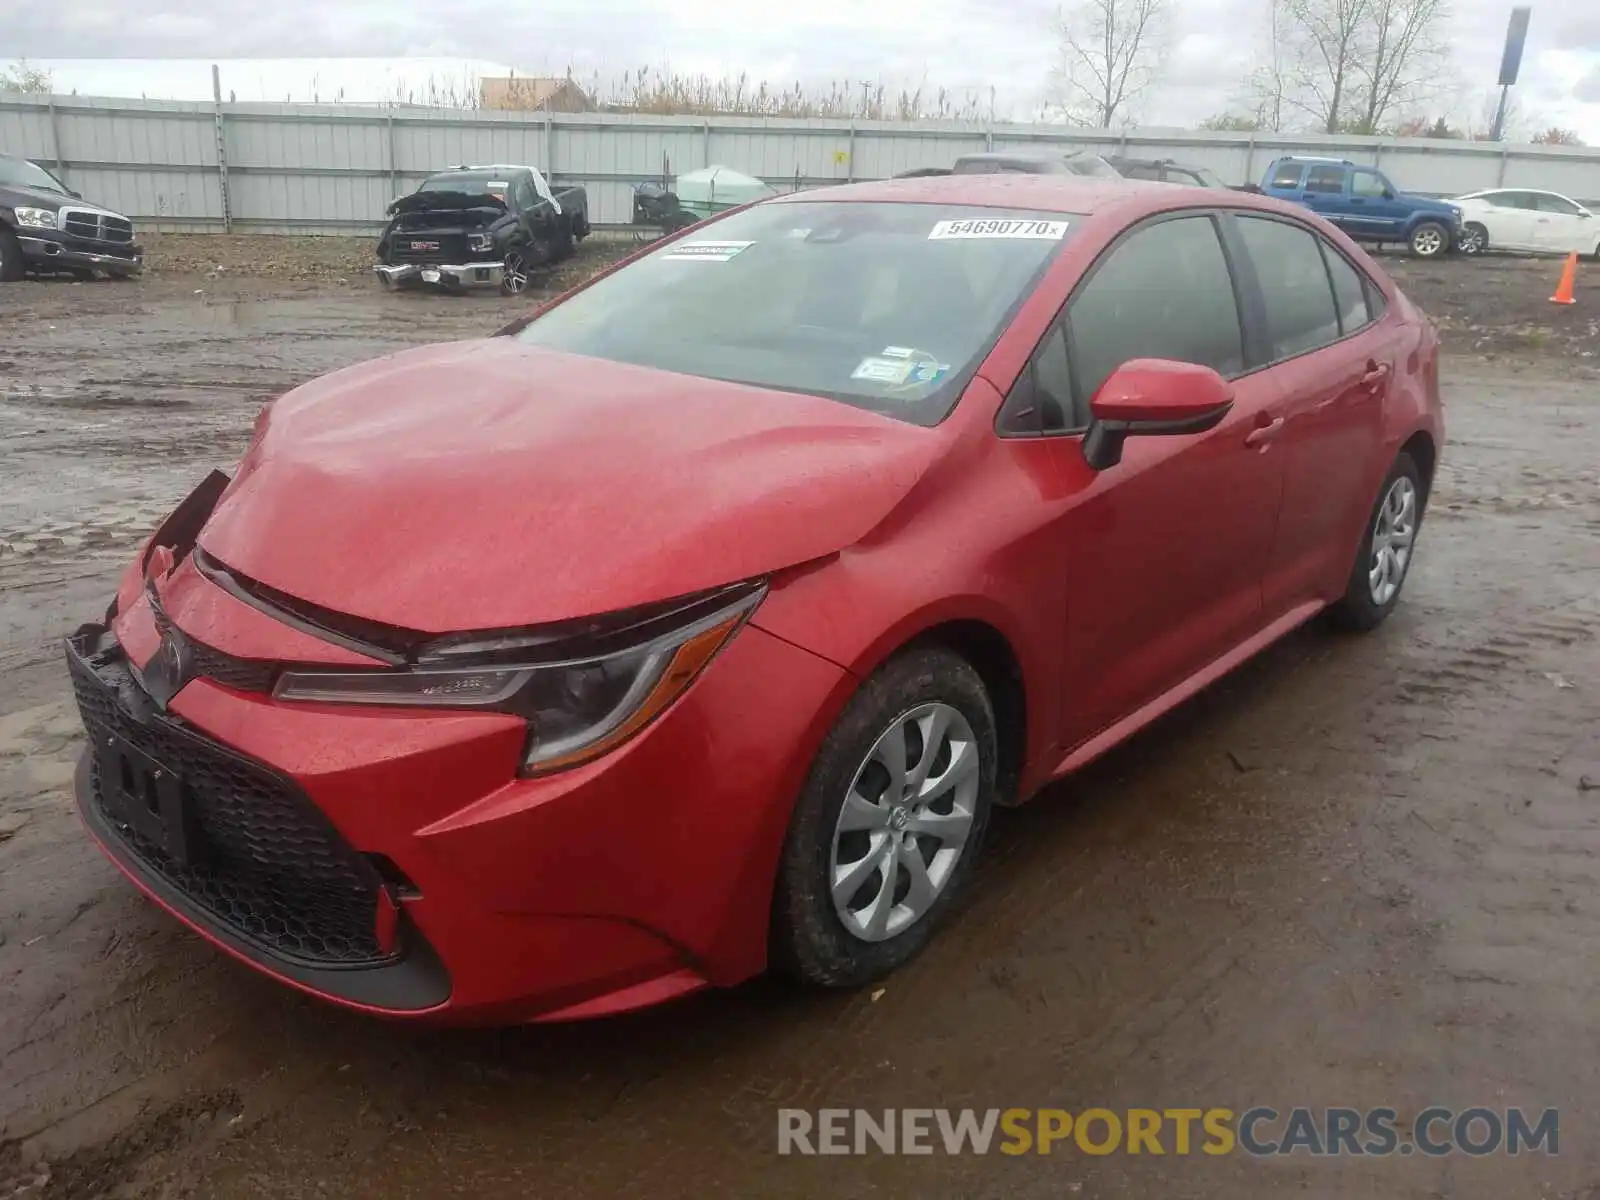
[{"x": 1360, "y": 872}]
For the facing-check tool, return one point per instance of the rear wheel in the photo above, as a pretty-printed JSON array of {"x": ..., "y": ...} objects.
[
  {"x": 1387, "y": 548},
  {"x": 10, "y": 257},
  {"x": 1430, "y": 240},
  {"x": 890, "y": 822},
  {"x": 1474, "y": 239}
]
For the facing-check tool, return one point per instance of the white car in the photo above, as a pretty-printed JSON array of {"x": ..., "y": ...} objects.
[{"x": 1522, "y": 219}]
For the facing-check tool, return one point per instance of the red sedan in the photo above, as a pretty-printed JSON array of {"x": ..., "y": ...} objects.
[{"x": 697, "y": 622}]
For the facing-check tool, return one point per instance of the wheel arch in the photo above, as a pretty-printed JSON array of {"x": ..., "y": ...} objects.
[{"x": 1425, "y": 453}]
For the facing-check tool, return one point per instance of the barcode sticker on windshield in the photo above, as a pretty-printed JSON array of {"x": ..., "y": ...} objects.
[
  {"x": 1047, "y": 231},
  {"x": 706, "y": 251}
]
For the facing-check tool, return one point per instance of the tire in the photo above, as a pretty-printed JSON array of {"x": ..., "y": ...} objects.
[
  {"x": 1365, "y": 605},
  {"x": 1429, "y": 240},
  {"x": 514, "y": 281},
  {"x": 11, "y": 265},
  {"x": 906, "y": 699},
  {"x": 1474, "y": 240}
]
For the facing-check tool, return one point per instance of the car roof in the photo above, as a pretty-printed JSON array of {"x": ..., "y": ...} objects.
[
  {"x": 1076, "y": 195},
  {"x": 492, "y": 169},
  {"x": 1079, "y": 194}
]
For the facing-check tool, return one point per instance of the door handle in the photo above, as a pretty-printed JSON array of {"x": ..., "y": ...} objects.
[
  {"x": 1376, "y": 374},
  {"x": 1262, "y": 434}
]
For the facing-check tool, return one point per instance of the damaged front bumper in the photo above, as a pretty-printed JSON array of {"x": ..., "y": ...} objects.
[{"x": 463, "y": 275}]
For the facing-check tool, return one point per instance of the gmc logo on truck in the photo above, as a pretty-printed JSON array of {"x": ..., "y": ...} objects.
[{"x": 424, "y": 245}]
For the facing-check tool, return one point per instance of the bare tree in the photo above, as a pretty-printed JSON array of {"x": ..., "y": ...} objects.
[
  {"x": 1401, "y": 58},
  {"x": 1108, "y": 51},
  {"x": 1269, "y": 83},
  {"x": 1327, "y": 39}
]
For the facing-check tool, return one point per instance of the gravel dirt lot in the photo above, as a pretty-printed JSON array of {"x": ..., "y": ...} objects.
[{"x": 1359, "y": 872}]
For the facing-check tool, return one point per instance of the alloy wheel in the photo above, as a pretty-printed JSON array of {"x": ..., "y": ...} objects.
[
  {"x": 1392, "y": 536},
  {"x": 516, "y": 274},
  {"x": 905, "y": 822},
  {"x": 1427, "y": 242},
  {"x": 1474, "y": 240}
]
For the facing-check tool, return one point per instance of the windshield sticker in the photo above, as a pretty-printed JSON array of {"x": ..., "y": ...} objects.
[
  {"x": 882, "y": 370},
  {"x": 900, "y": 368},
  {"x": 1048, "y": 231},
  {"x": 706, "y": 251}
]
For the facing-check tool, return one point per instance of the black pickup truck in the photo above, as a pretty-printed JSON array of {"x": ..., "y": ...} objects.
[
  {"x": 471, "y": 227},
  {"x": 46, "y": 228}
]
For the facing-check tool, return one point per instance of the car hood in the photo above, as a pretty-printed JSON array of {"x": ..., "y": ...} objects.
[
  {"x": 13, "y": 194},
  {"x": 488, "y": 484},
  {"x": 1429, "y": 203}
]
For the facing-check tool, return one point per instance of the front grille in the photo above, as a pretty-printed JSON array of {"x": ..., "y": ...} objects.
[
  {"x": 266, "y": 864},
  {"x": 207, "y": 662},
  {"x": 430, "y": 247},
  {"x": 96, "y": 227}
]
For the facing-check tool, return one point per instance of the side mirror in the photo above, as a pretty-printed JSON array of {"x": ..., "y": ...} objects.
[
  {"x": 1388, "y": 193},
  {"x": 1152, "y": 397}
]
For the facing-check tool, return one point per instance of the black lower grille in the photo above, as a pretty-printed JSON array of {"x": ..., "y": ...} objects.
[{"x": 264, "y": 862}]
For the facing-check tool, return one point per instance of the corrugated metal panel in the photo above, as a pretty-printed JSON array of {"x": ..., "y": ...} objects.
[{"x": 336, "y": 167}]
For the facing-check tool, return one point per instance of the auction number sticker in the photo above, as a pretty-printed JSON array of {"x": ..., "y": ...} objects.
[
  {"x": 1045, "y": 231},
  {"x": 706, "y": 251}
]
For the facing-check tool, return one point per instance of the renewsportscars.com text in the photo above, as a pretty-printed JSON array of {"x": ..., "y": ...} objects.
[{"x": 1260, "y": 1131}]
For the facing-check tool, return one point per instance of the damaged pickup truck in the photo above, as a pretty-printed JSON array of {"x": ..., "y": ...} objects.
[{"x": 474, "y": 227}]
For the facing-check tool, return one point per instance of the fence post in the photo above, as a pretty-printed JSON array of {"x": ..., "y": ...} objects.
[
  {"x": 1505, "y": 158},
  {"x": 222, "y": 147},
  {"x": 394, "y": 167},
  {"x": 705, "y": 146},
  {"x": 55, "y": 140},
  {"x": 850, "y": 156},
  {"x": 549, "y": 146},
  {"x": 1250, "y": 159}
]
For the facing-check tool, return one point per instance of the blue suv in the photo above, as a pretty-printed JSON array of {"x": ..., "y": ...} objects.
[{"x": 1362, "y": 202}]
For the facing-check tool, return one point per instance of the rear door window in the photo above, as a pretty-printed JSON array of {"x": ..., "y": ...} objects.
[
  {"x": 1294, "y": 283},
  {"x": 1326, "y": 180},
  {"x": 1287, "y": 175},
  {"x": 1349, "y": 290},
  {"x": 1163, "y": 292}
]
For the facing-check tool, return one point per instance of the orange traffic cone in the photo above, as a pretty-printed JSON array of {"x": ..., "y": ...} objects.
[{"x": 1564, "y": 288}]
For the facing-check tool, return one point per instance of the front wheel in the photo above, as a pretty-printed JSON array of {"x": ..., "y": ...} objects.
[
  {"x": 1430, "y": 240},
  {"x": 889, "y": 824},
  {"x": 1474, "y": 239},
  {"x": 1387, "y": 547},
  {"x": 514, "y": 278}
]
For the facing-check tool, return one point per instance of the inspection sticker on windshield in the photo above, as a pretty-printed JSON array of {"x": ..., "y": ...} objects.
[
  {"x": 706, "y": 251},
  {"x": 1045, "y": 231},
  {"x": 882, "y": 370}
]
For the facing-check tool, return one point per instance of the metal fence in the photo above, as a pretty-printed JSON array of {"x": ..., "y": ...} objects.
[{"x": 333, "y": 168}]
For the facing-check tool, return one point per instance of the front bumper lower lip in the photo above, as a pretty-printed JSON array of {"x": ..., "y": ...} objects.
[
  {"x": 55, "y": 253},
  {"x": 462, "y": 275}
]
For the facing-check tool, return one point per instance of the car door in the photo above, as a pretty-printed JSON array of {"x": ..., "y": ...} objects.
[
  {"x": 1516, "y": 216},
  {"x": 1163, "y": 553},
  {"x": 1374, "y": 210},
  {"x": 1329, "y": 364},
  {"x": 1325, "y": 192},
  {"x": 1559, "y": 226}
]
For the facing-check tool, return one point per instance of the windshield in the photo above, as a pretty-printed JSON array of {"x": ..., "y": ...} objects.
[
  {"x": 19, "y": 172},
  {"x": 469, "y": 185},
  {"x": 887, "y": 307}
]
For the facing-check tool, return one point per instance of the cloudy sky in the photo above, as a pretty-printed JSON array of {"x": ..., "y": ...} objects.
[{"x": 967, "y": 46}]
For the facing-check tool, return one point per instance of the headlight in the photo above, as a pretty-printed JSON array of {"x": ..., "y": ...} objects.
[
  {"x": 36, "y": 218},
  {"x": 577, "y": 708}
]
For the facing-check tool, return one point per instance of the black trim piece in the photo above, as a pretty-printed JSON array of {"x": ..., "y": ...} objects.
[
  {"x": 414, "y": 983},
  {"x": 183, "y": 524},
  {"x": 309, "y": 618},
  {"x": 1102, "y": 444}
]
